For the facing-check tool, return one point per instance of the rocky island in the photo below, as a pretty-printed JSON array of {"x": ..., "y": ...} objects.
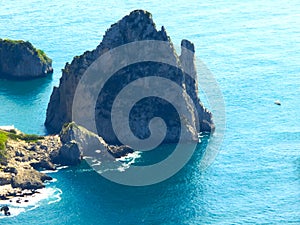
[
  {"x": 21, "y": 60},
  {"x": 24, "y": 157},
  {"x": 137, "y": 26}
]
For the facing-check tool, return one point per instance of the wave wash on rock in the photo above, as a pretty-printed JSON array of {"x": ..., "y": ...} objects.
[{"x": 137, "y": 26}]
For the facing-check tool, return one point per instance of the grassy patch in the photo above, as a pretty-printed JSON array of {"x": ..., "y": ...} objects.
[
  {"x": 12, "y": 41},
  {"x": 40, "y": 53},
  {"x": 3, "y": 139},
  {"x": 25, "y": 137},
  {"x": 12, "y": 134}
]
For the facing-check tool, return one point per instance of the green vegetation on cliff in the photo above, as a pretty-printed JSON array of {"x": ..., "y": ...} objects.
[
  {"x": 3, "y": 139},
  {"x": 40, "y": 53},
  {"x": 14, "y": 135}
]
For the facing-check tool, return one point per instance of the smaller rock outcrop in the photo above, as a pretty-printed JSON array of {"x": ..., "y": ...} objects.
[
  {"x": 43, "y": 164},
  {"x": 76, "y": 141},
  {"x": 6, "y": 210},
  {"x": 68, "y": 154},
  {"x": 19, "y": 59},
  {"x": 29, "y": 179}
]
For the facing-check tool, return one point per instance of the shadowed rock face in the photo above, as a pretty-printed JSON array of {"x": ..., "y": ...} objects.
[
  {"x": 19, "y": 59},
  {"x": 137, "y": 26},
  {"x": 78, "y": 141}
]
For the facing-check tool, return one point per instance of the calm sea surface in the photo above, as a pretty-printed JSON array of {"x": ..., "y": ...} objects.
[{"x": 253, "y": 50}]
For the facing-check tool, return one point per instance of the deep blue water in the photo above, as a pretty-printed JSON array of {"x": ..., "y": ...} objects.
[{"x": 251, "y": 47}]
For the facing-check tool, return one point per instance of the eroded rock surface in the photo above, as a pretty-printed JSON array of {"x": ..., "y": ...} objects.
[
  {"x": 20, "y": 60},
  {"x": 137, "y": 26}
]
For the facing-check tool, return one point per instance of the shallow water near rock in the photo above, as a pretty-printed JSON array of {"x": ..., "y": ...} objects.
[
  {"x": 251, "y": 47},
  {"x": 20, "y": 205}
]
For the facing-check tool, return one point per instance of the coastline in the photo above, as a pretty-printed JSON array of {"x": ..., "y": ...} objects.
[
  {"x": 47, "y": 195},
  {"x": 27, "y": 160},
  {"x": 23, "y": 158},
  {"x": 35, "y": 185}
]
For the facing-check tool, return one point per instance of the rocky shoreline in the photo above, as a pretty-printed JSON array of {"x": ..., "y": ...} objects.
[
  {"x": 20, "y": 171},
  {"x": 23, "y": 163}
]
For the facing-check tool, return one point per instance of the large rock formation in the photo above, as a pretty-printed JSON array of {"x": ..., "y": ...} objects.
[
  {"x": 19, "y": 59},
  {"x": 137, "y": 26}
]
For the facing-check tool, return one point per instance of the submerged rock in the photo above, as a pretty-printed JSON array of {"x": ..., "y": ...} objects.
[
  {"x": 137, "y": 26},
  {"x": 19, "y": 59}
]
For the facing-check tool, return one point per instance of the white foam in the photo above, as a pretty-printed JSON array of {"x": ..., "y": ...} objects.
[
  {"x": 52, "y": 181},
  {"x": 48, "y": 171},
  {"x": 98, "y": 163},
  {"x": 61, "y": 167},
  {"x": 31, "y": 202},
  {"x": 13, "y": 212},
  {"x": 54, "y": 171},
  {"x": 130, "y": 158},
  {"x": 57, "y": 196}
]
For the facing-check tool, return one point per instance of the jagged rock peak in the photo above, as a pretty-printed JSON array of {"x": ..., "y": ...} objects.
[
  {"x": 188, "y": 45},
  {"x": 137, "y": 26}
]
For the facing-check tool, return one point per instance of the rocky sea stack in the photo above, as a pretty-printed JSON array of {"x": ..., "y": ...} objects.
[
  {"x": 137, "y": 26},
  {"x": 20, "y": 60}
]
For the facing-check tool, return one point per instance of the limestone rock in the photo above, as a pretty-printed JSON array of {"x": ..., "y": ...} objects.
[
  {"x": 68, "y": 154},
  {"x": 19, "y": 59},
  {"x": 78, "y": 142},
  {"x": 43, "y": 164},
  {"x": 5, "y": 178},
  {"x": 10, "y": 169},
  {"x": 137, "y": 26},
  {"x": 29, "y": 179},
  {"x": 119, "y": 151}
]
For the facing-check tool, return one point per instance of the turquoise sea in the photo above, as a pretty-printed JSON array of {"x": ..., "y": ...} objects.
[{"x": 253, "y": 50}]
